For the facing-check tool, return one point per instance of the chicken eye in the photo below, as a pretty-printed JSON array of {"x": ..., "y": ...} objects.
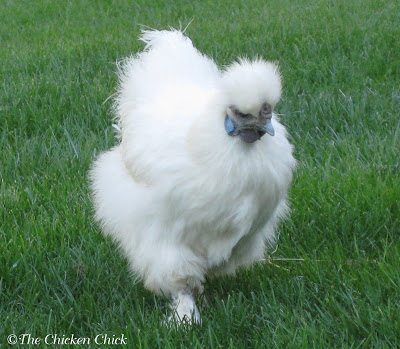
[{"x": 266, "y": 109}]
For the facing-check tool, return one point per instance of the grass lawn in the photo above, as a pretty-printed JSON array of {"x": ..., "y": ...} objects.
[{"x": 340, "y": 63}]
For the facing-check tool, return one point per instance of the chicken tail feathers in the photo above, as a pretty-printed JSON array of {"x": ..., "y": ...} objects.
[
  {"x": 164, "y": 39},
  {"x": 169, "y": 59}
]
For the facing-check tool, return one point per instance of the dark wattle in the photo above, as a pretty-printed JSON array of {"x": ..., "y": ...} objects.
[{"x": 249, "y": 136}]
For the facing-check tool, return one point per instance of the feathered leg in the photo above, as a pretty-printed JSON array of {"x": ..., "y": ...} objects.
[{"x": 184, "y": 309}]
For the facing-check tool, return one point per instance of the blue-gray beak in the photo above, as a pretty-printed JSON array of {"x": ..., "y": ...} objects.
[{"x": 268, "y": 128}]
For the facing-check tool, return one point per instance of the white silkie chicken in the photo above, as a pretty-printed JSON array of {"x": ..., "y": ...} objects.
[{"x": 200, "y": 178}]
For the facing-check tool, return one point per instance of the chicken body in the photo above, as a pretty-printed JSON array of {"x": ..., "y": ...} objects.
[{"x": 181, "y": 197}]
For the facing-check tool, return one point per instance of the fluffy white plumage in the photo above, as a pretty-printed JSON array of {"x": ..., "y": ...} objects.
[{"x": 182, "y": 197}]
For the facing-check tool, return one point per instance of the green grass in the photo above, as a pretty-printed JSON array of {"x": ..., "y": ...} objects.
[{"x": 341, "y": 67}]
